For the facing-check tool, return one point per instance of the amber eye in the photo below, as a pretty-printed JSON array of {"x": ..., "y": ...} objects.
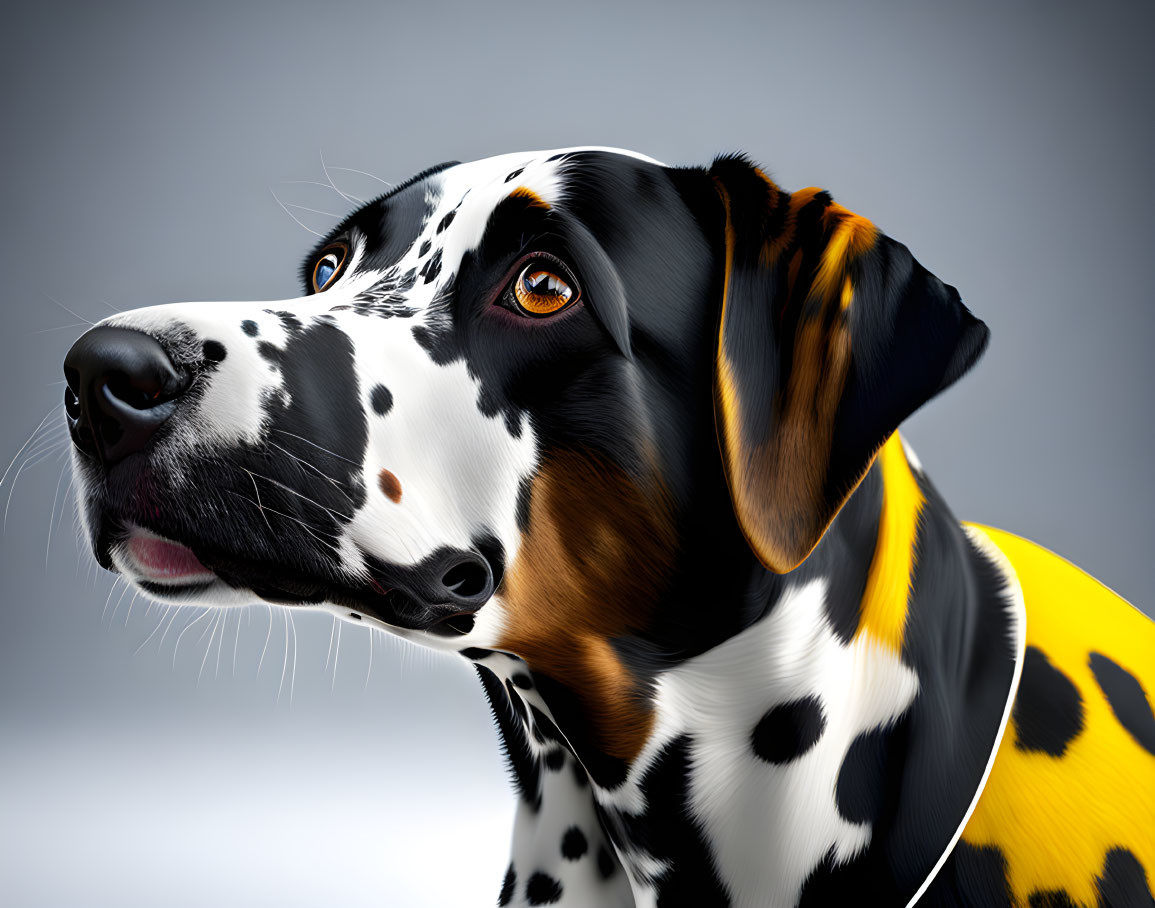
[
  {"x": 328, "y": 266},
  {"x": 540, "y": 291}
]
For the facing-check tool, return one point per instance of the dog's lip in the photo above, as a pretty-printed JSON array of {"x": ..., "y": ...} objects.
[
  {"x": 168, "y": 567},
  {"x": 161, "y": 561}
]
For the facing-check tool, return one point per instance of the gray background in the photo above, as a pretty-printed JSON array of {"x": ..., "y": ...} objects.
[{"x": 1008, "y": 144}]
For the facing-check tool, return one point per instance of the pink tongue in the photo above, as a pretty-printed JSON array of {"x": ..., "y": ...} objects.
[{"x": 162, "y": 558}]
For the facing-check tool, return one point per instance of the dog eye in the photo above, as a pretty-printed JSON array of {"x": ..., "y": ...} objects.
[
  {"x": 329, "y": 266},
  {"x": 540, "y": 291}
]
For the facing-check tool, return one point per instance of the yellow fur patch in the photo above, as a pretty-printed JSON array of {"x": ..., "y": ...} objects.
[
  {"x": 887, "y": 593},
  {"x": 1055, "y": 818}
]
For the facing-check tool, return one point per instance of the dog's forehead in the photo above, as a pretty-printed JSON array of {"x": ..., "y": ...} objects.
[{"x": 415, "y": 246}]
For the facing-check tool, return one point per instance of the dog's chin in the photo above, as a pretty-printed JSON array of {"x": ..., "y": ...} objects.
[{"x": 171, "y": 572}]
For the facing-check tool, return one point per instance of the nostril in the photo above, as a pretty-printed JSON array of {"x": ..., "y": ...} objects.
[
  {"x": 468, "y": 579},
  {"x": 140, "y": 394}
]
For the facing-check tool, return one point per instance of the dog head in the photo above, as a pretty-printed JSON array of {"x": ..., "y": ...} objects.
[{"x": 525, "y": 404}]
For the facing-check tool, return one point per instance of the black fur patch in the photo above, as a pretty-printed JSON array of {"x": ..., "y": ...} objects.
[
  {"x": 870, "y": 778},
  {"x": 787, "y": 731},
  {"x": 1123, "y": 881},
  {"x": 509, "y": 884},
  {"x": 574, "y": 844},
  {"x": 522, "y": 763},
  {"x": 214, "y": 351},
  {"x": 668, "y": 832},
  {"x": 250, "y": 327},
  {"x": 1128, "y": 700},
  {"x": 542, "y": 889},
  {"x": 381, "y": 399},
  {"x": 1048, "y": 710},
  {"x": 1050, "y": 898}
]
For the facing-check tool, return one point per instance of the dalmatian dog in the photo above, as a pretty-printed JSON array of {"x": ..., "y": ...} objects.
[{"x": 625, "y": 436}]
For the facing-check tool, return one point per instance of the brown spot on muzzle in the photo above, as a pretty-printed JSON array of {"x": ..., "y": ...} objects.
[
  {"x": 390, "y": 485},
  {"x": 596, "y": 556}
]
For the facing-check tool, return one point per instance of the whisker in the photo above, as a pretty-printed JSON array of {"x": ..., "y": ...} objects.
[
  {"x": 362, "y": 172},
  {"x": 69, "y": 311},
  {"x": 109, "y": 305},
  {"x": 208, "y": 649},
  {"x": 330, "y": 179},
  {"x": 268, "y": 635},
  {"x": 153, "y": 634},
  {"x": 184, "y": 630},
  {"x": 35, "y": 432},
  {"x": 294, "y": 217},
  {"x": 327, "y": 214},
  {"x": 60, "y": 328},
  {"x": 293, "y": 676},
  {"x": 237, "y": 640},
  {"x": 52, "y": 514},
  {"x": 369, "y": 670},
  {"x": 336, "y": 656},
  {"x": 329, "y": 651},
  {"x": 317, "y": 446}
]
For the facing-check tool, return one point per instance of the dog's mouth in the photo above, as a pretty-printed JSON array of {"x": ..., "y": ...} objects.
[{"x": 175, "y": 571}]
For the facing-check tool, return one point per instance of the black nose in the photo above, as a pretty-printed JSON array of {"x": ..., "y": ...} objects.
[
  {"x": 466, "y": 580},
  {"x": 121, "y": 387}
]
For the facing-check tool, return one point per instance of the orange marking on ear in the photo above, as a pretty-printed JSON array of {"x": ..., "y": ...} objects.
[
  {"x": 847, "y": 295},
  {"x": 595, "y": 557},
  {"x": 390, "y": 485},
  {"x": 535, "y": 201},
  {"x": 851, "y": 236}
]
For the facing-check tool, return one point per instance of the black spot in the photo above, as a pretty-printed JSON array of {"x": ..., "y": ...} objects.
[
  {"x": 289, "y": 322},
  {"x": 555, "y": 760},
  {"x": 579, "y": 774},
  {"x": 271, "y": 352},
  {"x": 573, "y": 844},
  {"x": 606, "y": 863},
  {"x": 250, "y": 327},
  {"x": 432, "y": 267},
  {"x": 425, "y": 247},
  {"x": 1123, "y": 881},
  {"x": 524, "y": 498},
  {"x": 1127, "y": 698},
  {"x": 522, "y": 680},
  {"x": 381, "y": 400},
  {"x": 1048, "y": 710},
  {"x": 542, "y": 889},
  {"x": 515, "y": 174},
  {"x": 214, "y": 351},
  {"x": 787, "y": 731},
  {"x": 475, "y": 653},
  {"x": 507, "y": 887},
  {"x": 1050, "y": 898},
  {"x": 447, "y": 220}
]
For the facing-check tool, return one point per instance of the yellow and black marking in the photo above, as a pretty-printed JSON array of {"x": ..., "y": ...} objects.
[{"x": 1069, "y": 809}]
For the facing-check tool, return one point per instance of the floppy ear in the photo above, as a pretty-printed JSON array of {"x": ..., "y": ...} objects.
[{"x": 831, "y": 334}]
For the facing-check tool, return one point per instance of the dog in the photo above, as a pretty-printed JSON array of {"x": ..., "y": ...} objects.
[{"x": 625, "y": 437}]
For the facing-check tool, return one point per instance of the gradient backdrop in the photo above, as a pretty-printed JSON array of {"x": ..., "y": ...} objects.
[{"x": 1009, "y": 145}]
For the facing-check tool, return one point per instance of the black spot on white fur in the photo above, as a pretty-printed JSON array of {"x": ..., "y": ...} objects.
[
  {"x": 788, "y": 730},
  {"x": 250, "y": 327},
  {"x": 381, "y": 399},
  {"x": 542, "y": 889},
  {"x": 573, "y": 844},
  {"x": 214, "y": 351}
]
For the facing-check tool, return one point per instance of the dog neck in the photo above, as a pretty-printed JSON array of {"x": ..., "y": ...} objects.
[{"x": 809, "y": 733}]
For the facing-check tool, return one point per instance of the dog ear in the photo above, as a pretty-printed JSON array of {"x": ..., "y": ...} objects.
[{"x": 830, "y": 335}]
